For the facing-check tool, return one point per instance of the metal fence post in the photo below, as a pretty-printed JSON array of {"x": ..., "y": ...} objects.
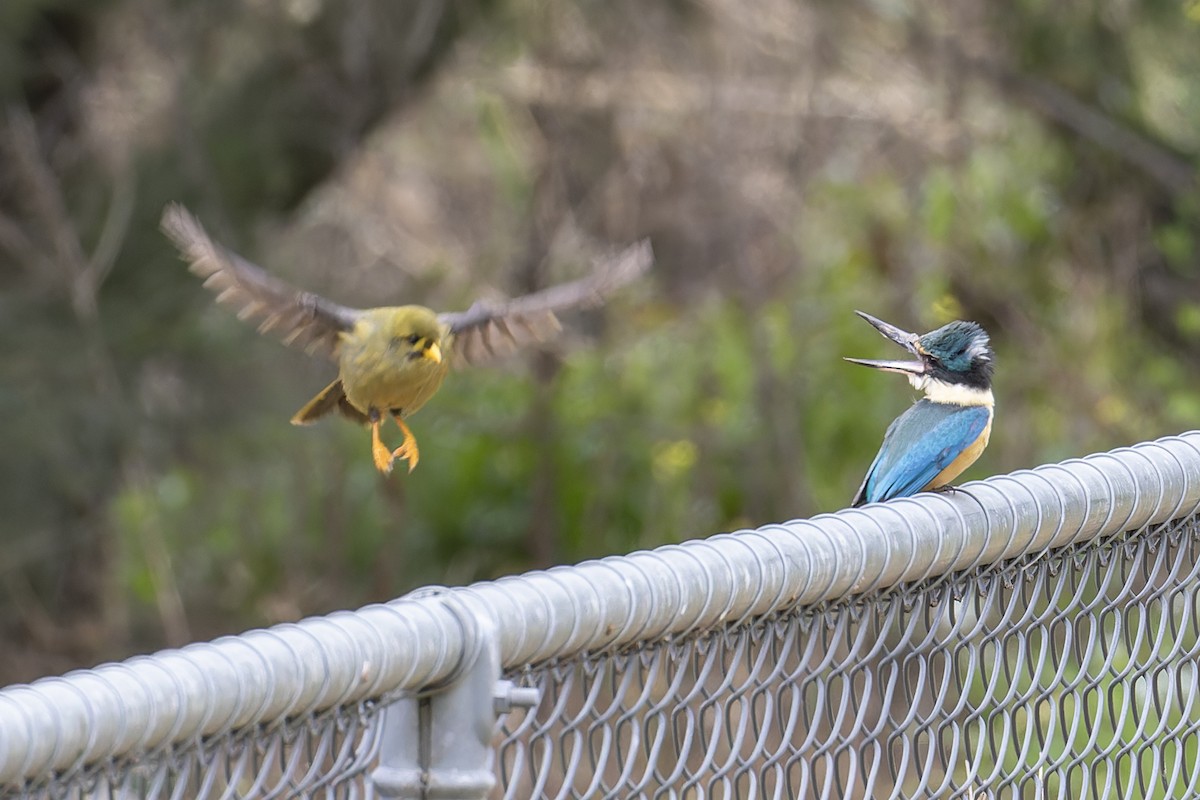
[{"x": 437, "y": 745}]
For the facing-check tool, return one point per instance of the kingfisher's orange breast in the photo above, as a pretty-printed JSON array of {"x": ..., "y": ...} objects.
[{"x": 965, "y": 459}]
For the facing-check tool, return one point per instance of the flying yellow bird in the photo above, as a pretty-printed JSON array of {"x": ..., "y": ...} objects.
[{"x": 390, "y": 360}]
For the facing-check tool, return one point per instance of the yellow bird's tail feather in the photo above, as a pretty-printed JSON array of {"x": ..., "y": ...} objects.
[{"x": 331, "y": 397}]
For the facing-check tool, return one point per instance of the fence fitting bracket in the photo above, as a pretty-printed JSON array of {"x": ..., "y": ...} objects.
[{"x": 437, "y": 745}]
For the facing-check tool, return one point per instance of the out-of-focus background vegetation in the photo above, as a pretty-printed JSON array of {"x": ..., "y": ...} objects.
[{"x": 1029, "y": 165}]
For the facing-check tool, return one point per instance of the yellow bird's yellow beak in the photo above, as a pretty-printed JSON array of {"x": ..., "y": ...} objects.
[{"x": 434, "y": 353}]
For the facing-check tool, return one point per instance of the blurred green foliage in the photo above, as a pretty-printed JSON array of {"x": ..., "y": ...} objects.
[{"x": 427, "y": 152}]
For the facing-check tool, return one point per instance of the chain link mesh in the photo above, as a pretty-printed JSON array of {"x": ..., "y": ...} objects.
[
  {"x": 327, "y": 755},
  {"x": 1069, "y": 673}
]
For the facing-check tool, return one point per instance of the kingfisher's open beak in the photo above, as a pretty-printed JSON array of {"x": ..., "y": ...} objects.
[{"x": 909, "y": 341}]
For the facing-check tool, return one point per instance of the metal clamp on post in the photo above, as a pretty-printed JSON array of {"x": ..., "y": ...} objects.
[{"x": 437, "y": 745}]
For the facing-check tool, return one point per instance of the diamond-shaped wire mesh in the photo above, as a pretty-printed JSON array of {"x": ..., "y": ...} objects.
[
  {"x": 1070, "y": 673},
  {"x": 327, "y": 755}
]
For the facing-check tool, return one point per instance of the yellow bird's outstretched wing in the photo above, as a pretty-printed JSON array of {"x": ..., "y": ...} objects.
[
  {"x": 300, "y": 318},
  {"x": 493, "y": 330}
]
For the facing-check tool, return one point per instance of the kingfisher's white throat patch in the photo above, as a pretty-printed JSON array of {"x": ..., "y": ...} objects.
[{"x": 951, "y": 393}]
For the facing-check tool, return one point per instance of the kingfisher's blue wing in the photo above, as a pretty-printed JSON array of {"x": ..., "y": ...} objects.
[{"x": 918, "y": 445}]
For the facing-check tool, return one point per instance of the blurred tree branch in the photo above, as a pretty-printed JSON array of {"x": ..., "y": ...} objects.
[
  {"x": 81, "y": 277},
  {"x": 1171, "y": 171}
]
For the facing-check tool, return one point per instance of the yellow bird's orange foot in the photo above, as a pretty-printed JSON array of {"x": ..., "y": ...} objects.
[
  {"x": 383, "y": 457},
  {"x": 408, "y": 448}
]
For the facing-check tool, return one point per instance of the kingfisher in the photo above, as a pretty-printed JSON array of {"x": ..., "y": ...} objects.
[{"x": 930, "y": 444}]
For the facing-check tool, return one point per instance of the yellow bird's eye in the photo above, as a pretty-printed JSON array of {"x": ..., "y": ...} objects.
[{"x": 414, "y": 338}]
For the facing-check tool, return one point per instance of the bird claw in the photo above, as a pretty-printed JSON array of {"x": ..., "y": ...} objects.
[
  {"x": 409, "y": 452},
  {"x": 383, "y": 457},
  {"x": 408, "y": 448},
  {"x": 379, "y": 451}
]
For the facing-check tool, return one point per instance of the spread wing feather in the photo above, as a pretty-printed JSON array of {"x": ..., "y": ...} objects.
[
  {"x": 300, "y": 318},
  {"x": 493, "y": 330}
]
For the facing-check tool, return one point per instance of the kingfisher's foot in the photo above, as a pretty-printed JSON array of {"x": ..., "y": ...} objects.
[
  {"x": 949, "y": 488},
  {"x": 408, "y": 449},
  {"x": 379, "y": 451}
]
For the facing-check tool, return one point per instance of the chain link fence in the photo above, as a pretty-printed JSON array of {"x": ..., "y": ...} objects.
[{"x": 1033, "y": 635}]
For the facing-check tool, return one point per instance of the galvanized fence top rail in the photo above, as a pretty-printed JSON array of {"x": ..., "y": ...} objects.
[{"x": 343, "y": 666}]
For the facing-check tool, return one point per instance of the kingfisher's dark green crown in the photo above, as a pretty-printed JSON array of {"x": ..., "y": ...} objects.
[{"x": 959, "y": 352}]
